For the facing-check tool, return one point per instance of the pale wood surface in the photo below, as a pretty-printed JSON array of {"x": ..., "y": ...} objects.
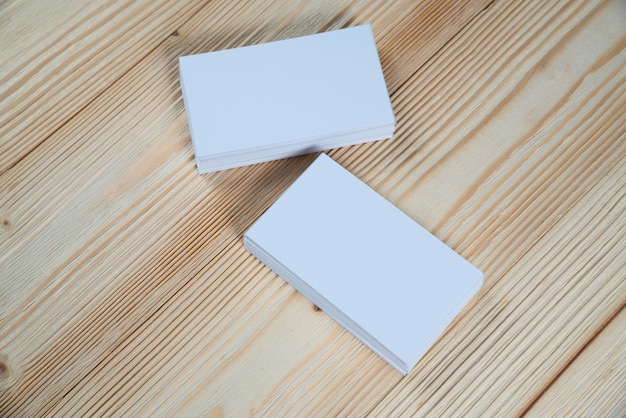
[
  {"x": 587, "y": 386},
  {"x": 124, "y": 285}
]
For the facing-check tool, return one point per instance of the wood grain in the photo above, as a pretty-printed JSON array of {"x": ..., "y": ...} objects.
[
  {"x": 595, "y": 383},
  {"x": 57, "y": 57},
  {"x": 532, "y": 322},
  {"x": 126, "y": 289},
  {"x": 87, "y": 228}
]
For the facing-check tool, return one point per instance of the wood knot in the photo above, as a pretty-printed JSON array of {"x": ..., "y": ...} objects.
[
  {"x": 6, "y": 224},
  {"x": 175, "y": 33},
  {"x": 5, "y": 370}
]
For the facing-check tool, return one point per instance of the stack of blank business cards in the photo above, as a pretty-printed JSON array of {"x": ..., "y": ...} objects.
[
  {"x": 280, "y": 99},
  {"x": 364, "y": 262}
]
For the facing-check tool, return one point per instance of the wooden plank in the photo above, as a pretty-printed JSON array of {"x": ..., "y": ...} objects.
[
  {"x": 526, "y": 203},
  {"x": 409, "y": 39},
  {"x": 125, "y": 222},
  {"x": 58, "y": 56},
  {"x": 595, "y": 382},
  {"x": 534, "y": 321}
]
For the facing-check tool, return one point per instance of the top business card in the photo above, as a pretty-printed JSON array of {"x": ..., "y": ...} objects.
[
  {"x": 364, "y": 262},
  {"x": 279, "y": 99}
]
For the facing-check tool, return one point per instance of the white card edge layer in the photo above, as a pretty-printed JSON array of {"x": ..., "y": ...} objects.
[
  {"x": 325, "y": 306},
  {"x": 349, "y": 325},
  {"x": 185, "y": 105},
  {"x": 208, "y": 166}
]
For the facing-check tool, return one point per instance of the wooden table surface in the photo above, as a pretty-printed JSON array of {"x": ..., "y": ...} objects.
[{"x": 125, "y": 288}]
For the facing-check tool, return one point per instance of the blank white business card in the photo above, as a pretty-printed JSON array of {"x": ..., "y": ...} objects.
[
  {"x": 285, "y": 98},
  {"x": 364, "y": 262}
]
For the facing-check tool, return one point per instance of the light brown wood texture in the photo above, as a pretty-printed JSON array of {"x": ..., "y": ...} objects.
[
  {"x": 125, "y": 289},
  {"x": 58, "y": 57},
  {"x": 587, "y": 386}
]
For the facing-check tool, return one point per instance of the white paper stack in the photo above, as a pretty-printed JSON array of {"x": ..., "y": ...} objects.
[
  {"x": 365, "y": 263},
  {"x": 275, "y": 100}
]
